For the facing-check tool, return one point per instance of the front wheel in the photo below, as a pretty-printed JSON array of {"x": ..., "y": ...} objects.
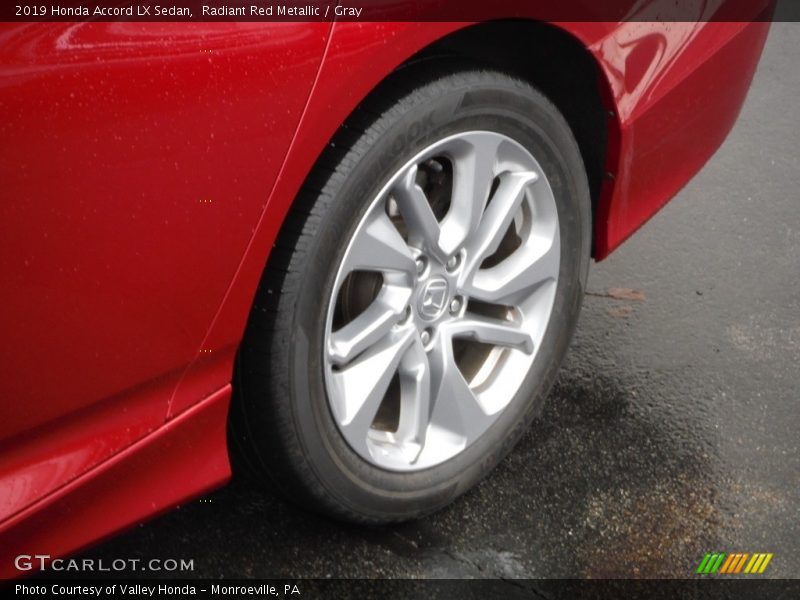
[{"x": 420, "y": 300}]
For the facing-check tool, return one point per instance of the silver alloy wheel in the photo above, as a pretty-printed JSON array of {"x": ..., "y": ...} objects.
[{"x": 441, "y": 301}]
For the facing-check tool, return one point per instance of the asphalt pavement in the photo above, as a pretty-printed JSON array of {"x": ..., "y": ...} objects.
[{"x": 673, "y": 429}]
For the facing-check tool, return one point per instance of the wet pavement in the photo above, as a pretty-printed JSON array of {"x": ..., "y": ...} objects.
[{"x": 673, "y": 429}]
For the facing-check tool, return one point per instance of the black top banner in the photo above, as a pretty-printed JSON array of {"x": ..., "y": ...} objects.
[{"x": 399, "y": 10}]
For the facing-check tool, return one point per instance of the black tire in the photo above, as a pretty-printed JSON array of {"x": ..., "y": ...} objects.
[{"x": 281, "y": 417}]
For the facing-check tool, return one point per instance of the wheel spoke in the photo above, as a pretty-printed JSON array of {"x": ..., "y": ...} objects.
[
  {"x": 517, "y": 276},
  {"x": 492, "y": 331},
  {"x": 370, "y": 326},
  {"x": 423, "y": 228},
  {"x": 379, "y": 247},
  {"x": 455, "y": 406},
  {"x": 415, "y": 385},
  {"x": 497, "y": 217},
  {"x": 473, "y": 172},
  {"x": 357, "y": 391}
]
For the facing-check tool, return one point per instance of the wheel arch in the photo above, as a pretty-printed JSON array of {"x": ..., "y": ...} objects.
[
  {"x": 356, "y": 64},
  {"x": 561, "y": 66}
]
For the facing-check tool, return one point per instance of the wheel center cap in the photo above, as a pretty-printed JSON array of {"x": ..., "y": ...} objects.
[{"x": 432, "y": 299}]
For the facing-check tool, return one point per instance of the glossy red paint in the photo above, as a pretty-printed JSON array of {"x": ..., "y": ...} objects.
[
  {"x": 146, "y": 171},
  {"x": 187, "y": 456},
  {"x": 135, "y": 160},
  {"x": 677, "y": 92}
]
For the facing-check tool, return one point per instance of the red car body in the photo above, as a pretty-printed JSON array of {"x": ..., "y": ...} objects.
[{"x": 146, "y": 169}]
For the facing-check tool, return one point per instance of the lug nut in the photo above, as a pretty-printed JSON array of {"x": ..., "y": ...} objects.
[
  {"x": 455, "y": 305},
  {"x": 452, "y": 264},
  {"x": 425, "y": 337},
  {"x": 421, "y": 264}
]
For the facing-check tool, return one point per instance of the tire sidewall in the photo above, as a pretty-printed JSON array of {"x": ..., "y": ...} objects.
[{"x": 471, "y": 102}]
